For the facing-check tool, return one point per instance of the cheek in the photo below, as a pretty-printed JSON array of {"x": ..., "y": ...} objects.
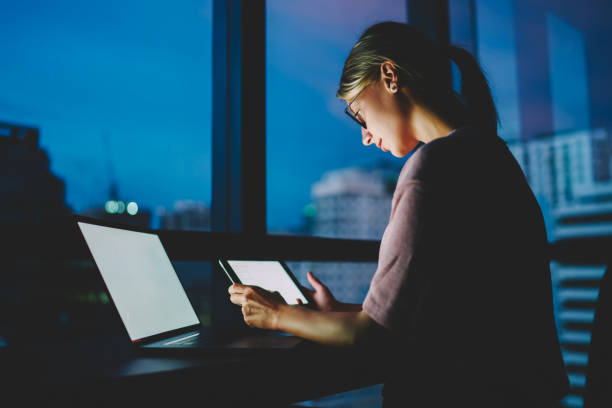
[
  {"x": 387, "y": 127},
  {"x": 386, "y": 121},
  {"x": 397, "y": 135}
]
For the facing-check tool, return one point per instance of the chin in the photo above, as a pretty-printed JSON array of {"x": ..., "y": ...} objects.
[
  {"x": 405, "y": 150},
  {"x": 402, "y": 152}
]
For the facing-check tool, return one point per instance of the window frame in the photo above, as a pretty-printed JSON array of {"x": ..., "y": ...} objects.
[{"x": 238, "y": 208}]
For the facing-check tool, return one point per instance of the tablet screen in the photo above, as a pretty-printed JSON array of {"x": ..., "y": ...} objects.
[{"x": 269, "y": 275}]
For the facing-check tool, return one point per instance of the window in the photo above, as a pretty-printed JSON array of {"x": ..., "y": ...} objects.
[
  {"x": 548, "y": 69},
  {"x": 105, "y": 111},
  {"x": 108, "y": 106},
  {"x": 348, "y": 281},
  {"x": 321, "y": 180}
]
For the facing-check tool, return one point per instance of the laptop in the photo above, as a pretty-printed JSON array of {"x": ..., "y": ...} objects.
[{"x": 150, "y": 299}]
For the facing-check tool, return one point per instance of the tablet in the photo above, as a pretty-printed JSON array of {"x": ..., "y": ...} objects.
[{"x": 274, "y": 276}]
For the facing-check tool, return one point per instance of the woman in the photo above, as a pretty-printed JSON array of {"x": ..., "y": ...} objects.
[{"x": 462, "y": 292}]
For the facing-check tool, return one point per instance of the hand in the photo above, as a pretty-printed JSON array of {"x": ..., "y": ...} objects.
[
  {"x": 260, "y": 308},
  {"x": 321, "y": 294}
]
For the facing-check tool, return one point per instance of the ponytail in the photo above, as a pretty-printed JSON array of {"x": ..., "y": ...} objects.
[
  {"x": 475, "y": 90},
  {"x": 423, "y": 69}
]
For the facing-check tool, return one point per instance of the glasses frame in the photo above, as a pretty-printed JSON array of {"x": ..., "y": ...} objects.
[{"x": 352, "y": 115}]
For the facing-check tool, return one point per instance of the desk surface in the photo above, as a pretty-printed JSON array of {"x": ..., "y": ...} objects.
[{"x": 109, "y": 372}]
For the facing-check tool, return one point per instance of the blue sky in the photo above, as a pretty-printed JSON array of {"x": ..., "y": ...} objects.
[
  {"x": 139, "y": 74},
  {"x": 307, "y": 130}
]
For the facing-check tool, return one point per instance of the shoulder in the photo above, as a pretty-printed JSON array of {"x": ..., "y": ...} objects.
[{"x": 450, "y": 155}]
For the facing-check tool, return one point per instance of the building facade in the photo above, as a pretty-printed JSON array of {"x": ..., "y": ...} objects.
[{"x": 30, "y": 191}]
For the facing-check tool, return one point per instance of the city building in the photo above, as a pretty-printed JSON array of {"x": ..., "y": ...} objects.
[
  {"x": 185, "y": 215},
  {"x": 29, "y": 190},
  {"x": 575, "y": 292},
  {"x": 353, "y": 202},
  {"x": 348, "y": 281},
  {"x": 570, "y": 175}
]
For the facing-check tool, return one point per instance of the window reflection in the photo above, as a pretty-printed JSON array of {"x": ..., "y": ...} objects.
[
  {"x": 496, "y": 50},
  {"x": 546, "y": 62},
  {"x": 348, "y": 281}
]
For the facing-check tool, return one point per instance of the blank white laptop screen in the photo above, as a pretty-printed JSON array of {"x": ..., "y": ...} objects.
[
  {"x": 269, "y": 275},
  {"x": 140, "y": 279}
]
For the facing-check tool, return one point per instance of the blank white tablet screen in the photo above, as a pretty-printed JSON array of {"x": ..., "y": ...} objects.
[
  {"x": 269, "y": 275},
  {"x": 141, "y": 280}
]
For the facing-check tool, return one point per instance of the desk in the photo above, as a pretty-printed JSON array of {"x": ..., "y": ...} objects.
[{"x": 109, "y": 372}]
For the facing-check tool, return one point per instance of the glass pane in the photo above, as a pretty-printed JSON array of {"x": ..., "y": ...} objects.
[
  {"x": 195, "y": 278},
  {"x": 548, "y": 67},
  {"x": 67, "y": 299},
  {"x": 106, "y": 111},
  {"x": 348, "y": 281},
  {"x": 321, "y": 179}
]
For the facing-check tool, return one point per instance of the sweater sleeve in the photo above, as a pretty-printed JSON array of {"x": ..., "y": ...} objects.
[{"x": 386, "y": 301}]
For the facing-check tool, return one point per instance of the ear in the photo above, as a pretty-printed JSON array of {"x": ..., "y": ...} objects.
[{"x": 388, "y": 74}]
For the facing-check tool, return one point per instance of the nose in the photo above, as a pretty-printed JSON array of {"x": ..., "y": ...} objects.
[{"x": 366, "y": 137}]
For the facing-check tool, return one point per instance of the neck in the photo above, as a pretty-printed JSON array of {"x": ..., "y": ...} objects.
[{"x": 427, "y": 126}]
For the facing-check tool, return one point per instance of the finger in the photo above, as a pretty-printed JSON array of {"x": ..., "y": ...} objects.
[
  {"x": 245, "y": 313},
  {"x": 237, "y": 288},
  {"x": 313, "y": 280},
  {"x": 258, "y": 289},
  {"x": 238, "y": 299}
]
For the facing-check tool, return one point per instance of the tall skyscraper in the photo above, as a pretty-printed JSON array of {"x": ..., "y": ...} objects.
[{"x": 29, "y": 191}]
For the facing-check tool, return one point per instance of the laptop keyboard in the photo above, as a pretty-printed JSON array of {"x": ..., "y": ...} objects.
[{"x": 187, "y": 341}]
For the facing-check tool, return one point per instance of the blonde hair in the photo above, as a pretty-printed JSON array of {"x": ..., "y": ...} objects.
[{"x": 424, "y": 68}]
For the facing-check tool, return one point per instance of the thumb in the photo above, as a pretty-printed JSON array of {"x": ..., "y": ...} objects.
[{"x": 314, "y": 281}]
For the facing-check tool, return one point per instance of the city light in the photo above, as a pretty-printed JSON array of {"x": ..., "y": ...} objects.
[
  {"x": 310, "y": 210},
  {"x": 132, "y": 208},
  {"x": 111, "y": 207}
]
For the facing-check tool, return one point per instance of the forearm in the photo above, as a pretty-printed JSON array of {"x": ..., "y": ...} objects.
[{"x": 331, "y": 328}]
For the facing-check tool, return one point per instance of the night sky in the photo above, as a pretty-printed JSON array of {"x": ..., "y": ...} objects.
[
  {"x": 129, "y": 82},
  {"x": 308, "y": 132},
  {"x": 135, "y": 72}
]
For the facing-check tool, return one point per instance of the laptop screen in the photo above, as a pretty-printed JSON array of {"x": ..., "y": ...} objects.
[{"x": 140, "y": 279}]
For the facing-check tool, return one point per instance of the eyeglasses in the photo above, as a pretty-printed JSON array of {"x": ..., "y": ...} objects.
[{"x": 352, "y": 115}]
